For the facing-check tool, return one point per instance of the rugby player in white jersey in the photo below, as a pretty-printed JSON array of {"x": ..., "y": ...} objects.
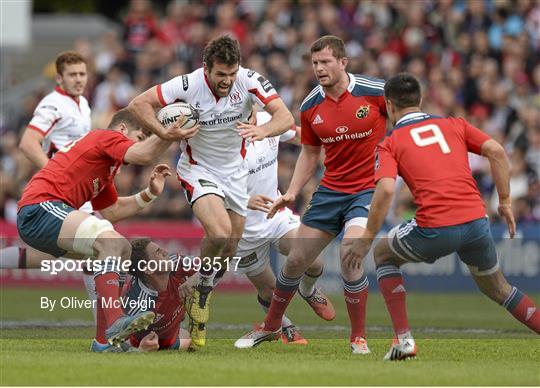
[
  {"x": 60, "y": 117},
  {"x": 212, "y": 168},
  {"x": 261, "y": 234}
]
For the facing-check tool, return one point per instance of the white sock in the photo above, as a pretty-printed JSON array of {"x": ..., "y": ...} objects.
[
  {"x": 403, "y": 336},
  {"x": 307, "y": 284},
  {"x": 9, "y": 258},
  {"x": 90, "y": 286},
  {"x": 207, "y": 280}
]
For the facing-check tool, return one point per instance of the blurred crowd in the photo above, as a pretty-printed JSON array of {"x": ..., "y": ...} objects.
[{"x": 475, "y": 59}]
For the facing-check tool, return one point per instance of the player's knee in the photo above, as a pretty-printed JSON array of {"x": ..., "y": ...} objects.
[
  {"x": 296, "y": 263},
  {"x": 89, "y": 232},
  {"x": 112, "y": 243},
  {"x": 383, "y": 255},
  {"x": 316, "y": 267},
  {"x": 219, "y": 234}
]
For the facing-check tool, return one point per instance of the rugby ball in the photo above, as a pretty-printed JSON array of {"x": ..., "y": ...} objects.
[{"x": 170, "y": 113}]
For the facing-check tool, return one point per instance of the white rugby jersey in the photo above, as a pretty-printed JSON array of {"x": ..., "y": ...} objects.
[
  {"x": 262, "y": 158},
  {"x": 217, "y": 146},
  {"x": 61, "y": 119}
]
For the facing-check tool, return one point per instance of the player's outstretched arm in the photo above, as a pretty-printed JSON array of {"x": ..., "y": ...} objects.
[
  {"x": 144, "y": 107},
  {"x": 126, "y": 207},
  {"x": 30, "y": 145},
  {"x": 305, "y": 168},
  {"x": 282, "y": 120},
  {"x": 500, "y": 169},
  {"x": 145, "y": 152},
  {"x": 377, "y": 213}
]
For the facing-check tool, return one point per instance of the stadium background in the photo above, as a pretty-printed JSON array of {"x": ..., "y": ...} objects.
[{"x": 478, "y": 59}]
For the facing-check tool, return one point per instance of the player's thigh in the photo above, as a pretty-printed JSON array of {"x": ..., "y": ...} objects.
[
  {"x": 211, "y": 213},
  {"x": 237, "y": 228},
  {"x": 478, "y": 249},
  {"x": 237, "y": 224},
  {"x": 383, "y": 253},
  {"x": 286, "y": 241},
  {"x": 40, "y": 226},
  {"x": 284, "y": 230},
  {"x": 308, "y": 244},
  {"x": 349, "y": 236},
  {"x": 35, "y": 257}
]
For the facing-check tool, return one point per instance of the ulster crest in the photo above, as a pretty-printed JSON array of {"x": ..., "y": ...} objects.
[{"x": 362, "y": 112}]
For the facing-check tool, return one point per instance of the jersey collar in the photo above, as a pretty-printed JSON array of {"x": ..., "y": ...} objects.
[
  {"x": 411, "y": 116},
  {"x": 350, "y": 87},
  {"x": 61, "y": 91},
  {"x": 209, "y": 88}
]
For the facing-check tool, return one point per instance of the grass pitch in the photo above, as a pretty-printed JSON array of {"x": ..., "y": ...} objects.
[{"x": 463, "y": 339}]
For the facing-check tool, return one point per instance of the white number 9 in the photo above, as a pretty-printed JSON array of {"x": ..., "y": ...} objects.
[{"x": 436, "y": 138}]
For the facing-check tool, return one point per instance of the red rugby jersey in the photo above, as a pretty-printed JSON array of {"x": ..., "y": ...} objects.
[
  {"x": 431, "y": 155},
  {"x": 81, "y": 171},
  {"x": 348, "y": 129}
]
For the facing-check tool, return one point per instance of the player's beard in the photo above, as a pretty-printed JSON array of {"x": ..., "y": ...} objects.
[{"x": 220, "y": 92}]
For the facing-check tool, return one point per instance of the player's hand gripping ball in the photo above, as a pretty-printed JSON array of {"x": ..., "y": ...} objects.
[{"x": 178, "y": 110}]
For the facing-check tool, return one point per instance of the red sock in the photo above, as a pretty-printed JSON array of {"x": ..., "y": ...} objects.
[
  {"x": 101, "y": 325},
  {"x": 356, "y": 294},
  {"x": 393, "y": 291},
  {"x": 356, "y": 308},
  {"x": 523, "y": 309},
  {"x": 280, "y": 301},
  {"x": 108, "y": 290}
]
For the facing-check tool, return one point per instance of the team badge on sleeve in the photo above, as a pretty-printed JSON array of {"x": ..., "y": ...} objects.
[
  {"x": 362, "y": 112},
  {"x": 265, "y": 84}
]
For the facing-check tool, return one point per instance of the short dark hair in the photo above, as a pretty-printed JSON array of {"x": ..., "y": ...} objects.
[
  {"x": 138, "y": 253},
  {"x": 67, "y": 58},
  {"x": 126, "y": 117},
  {"x": 333, "y": 42},
  {"x": 403, "y": 90},
  {"x": 224, "y": 50}
]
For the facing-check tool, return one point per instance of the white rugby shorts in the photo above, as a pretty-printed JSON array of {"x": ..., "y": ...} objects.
[
  {"x": 255, "y": 252},
  {"x": 198, "y": 181}
]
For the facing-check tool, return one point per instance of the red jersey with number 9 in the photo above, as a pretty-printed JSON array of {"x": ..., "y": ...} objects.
[
  {"x": 81, "y": 171},
  {"x": 431, "y": 155}
]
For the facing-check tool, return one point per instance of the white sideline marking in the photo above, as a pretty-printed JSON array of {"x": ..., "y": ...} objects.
[{"x": 11, "y": 324}]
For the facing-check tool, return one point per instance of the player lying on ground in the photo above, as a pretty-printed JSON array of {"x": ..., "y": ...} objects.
[
  {"x": 212, "y": 168},
  {"x": 161, "y": 292},
  {"x": 346, "y": 115},
  {"x": 261, "y": 234},
  {"x": 84, "y": 170},
  {"x": 431, "y": 154}
]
